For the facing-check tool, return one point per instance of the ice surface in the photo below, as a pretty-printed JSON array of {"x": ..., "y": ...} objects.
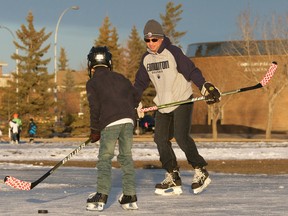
[{"x": 65, "y": 191}]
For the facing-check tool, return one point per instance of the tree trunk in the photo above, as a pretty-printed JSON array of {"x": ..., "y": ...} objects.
[
  {"x": 215, "y": 115},
  {"x": 214, "y": 129},
  {"x": 271, "y": 104}
]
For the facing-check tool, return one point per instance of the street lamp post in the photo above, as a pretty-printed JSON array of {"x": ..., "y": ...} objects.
[
  {"x": 55, "y": 55},
  {"x": 17, "y": 71}
]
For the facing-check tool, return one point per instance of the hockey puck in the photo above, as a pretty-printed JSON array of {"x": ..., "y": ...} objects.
[{"x": 41, "y": 211}]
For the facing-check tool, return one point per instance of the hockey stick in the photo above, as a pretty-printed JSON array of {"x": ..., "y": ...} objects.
[
  {"x": 263, "y": 82},
  {"x": 24, "y": 185}
]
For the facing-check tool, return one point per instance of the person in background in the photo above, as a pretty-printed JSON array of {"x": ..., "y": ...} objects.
[
  {"x": 32, "y": 130},
  {"x": 172, "y": 74},
  {"x": 13, "y": 128},
  {"x": 112, "y": 101},
  {"x": 19, "y": 123}
]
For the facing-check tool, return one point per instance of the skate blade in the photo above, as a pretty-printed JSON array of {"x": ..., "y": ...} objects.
[
  {"x": 169, "y": 191},
  {"x": 95, "y": 207},
  {"x": 200, "y": 189},
  {"x": 130, "y": 206}
]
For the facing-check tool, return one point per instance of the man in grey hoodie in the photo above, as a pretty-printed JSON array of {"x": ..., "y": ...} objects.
[{"x": 172, "y": 74}]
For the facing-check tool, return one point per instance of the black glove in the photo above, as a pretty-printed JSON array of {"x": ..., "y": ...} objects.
[
  {"x": 211, "y": 93},
  {"x": 94, "y": 136}
]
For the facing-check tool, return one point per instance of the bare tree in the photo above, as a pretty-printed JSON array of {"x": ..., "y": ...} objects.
[
  {"x": 215, "y": 110},
  {"x": 272, "y": 47}
]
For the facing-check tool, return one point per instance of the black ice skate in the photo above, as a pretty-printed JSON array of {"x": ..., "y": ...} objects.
[
  {"x": 200, "y": 180},
  {"x": 96, "y": 202},
  {"x": 128, "y": 202},
  {"x": 171, "y": 185}
]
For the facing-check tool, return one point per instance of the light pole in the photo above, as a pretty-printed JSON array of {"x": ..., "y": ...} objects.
[
  {"x": 55, "y": 55},
  {"x": 17, "y": 71}
]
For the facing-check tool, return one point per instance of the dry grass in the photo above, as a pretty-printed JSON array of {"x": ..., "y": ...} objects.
[{"x": 270, "y": 167}]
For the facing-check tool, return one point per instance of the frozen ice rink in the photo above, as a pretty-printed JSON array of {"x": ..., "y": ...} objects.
[{"x": 65, "y": 191}]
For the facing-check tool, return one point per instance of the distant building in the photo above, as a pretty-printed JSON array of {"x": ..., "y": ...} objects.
[
  {"x": 80, "y": 78},
  {"x": 4, "y": 77},
  {"x": 225, "y": 66},
  {"x": 1, "y": 65}
]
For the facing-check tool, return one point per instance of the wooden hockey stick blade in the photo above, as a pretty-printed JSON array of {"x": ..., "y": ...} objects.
[
  {"x": 24, "y": 185},
  {"x": 263, "y": 82}
]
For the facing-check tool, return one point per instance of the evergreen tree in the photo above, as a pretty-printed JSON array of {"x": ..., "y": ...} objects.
[
  {"x": 115, "y": 50},
  {"x": 104, "y": 33},
  {"x": 136, "y": 47},
  {"x": 123, "y": 64},
  {"x": 170, "y": 20},
  {"x": 69, "y": 81},
  {"x": 63, "y": 61},
  {"x": 81, "y": 126},
  {"x": 108, "y": 36},
  {"x": 33, "y": 96}
]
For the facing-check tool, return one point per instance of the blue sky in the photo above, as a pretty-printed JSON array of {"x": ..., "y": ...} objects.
[{"x": 204, "y": 21}]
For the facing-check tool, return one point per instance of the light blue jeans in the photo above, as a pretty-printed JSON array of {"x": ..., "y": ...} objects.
[{"x": 123, "y": 133}]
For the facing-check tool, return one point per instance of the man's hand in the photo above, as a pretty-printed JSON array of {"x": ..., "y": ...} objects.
[
  {"x": 94, "y": 136},
  {"x": 211, "y": 93}
]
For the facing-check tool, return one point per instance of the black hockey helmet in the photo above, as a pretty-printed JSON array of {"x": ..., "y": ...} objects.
[{"x": 99, "y": 56}]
